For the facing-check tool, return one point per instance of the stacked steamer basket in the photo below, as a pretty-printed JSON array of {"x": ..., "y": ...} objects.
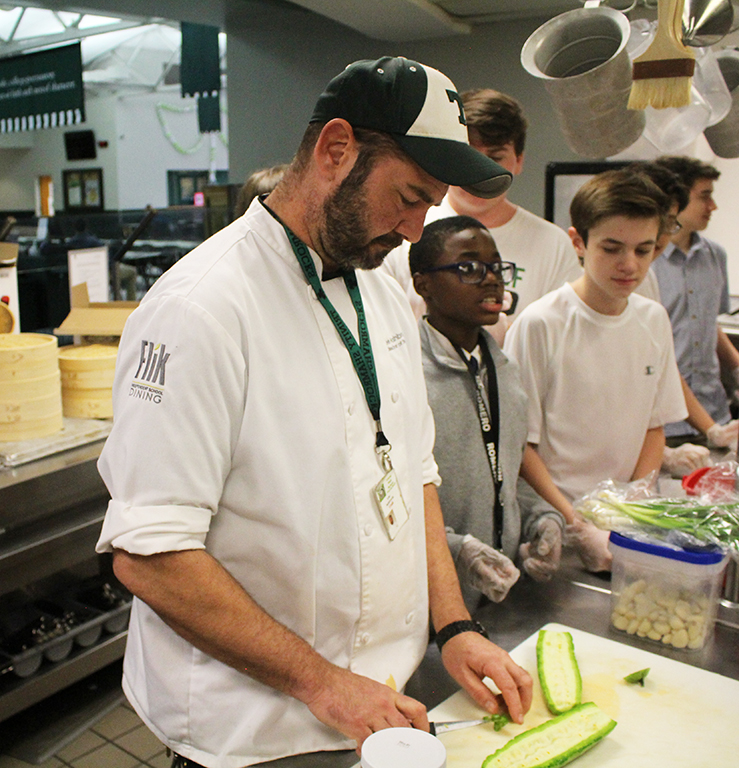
[
  {"x": 30, "y": 401},
  {"x": 87, "y": 380}
]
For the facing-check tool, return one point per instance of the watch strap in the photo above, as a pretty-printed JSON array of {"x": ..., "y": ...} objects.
[{"x": 456, "y": 628}]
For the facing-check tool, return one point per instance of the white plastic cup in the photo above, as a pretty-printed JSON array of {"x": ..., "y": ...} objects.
[{"x": 403, "y": 748}]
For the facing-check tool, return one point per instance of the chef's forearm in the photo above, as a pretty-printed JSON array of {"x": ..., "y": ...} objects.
[
  {"x": 445, "y": 596},
  {"x": 202, "y": 602}
]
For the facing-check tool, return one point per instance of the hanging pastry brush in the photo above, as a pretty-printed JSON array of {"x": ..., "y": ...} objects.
[{"x": 663, "y": 74}]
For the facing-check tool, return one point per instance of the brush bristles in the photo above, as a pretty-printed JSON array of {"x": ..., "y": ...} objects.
[{"x": 660, "y": 92}]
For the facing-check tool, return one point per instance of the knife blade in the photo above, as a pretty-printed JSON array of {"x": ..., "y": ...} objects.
[{"x": 452, "y": 725}]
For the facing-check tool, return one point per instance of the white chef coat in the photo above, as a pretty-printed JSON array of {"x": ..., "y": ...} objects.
[{"x": 249, "y": 435}]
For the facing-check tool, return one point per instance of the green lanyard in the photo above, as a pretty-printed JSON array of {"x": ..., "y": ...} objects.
[{"x": 360, "y": 353}]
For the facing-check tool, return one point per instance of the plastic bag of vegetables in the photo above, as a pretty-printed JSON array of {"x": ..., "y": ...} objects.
[{"x": 693, "y": 522}]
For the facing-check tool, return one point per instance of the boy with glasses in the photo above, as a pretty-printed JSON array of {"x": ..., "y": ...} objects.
[
  {"x": 479, "y": 410},
  {"x": 597, "y": 362}
]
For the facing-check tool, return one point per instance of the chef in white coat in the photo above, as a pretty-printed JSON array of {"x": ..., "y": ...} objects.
[{"x": 273, "y": 489}]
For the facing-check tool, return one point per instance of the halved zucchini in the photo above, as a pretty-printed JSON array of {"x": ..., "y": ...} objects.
[
  {"x": 559, "y": 674},
  {"x": 556, "y": 742}
]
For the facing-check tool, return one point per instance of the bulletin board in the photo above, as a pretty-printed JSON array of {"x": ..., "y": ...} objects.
[{"x": 83, "y": 190}]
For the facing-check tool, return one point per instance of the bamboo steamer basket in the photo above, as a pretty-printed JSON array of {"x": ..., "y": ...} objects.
[
  {"x": 87, "y": 380},
  {"x": 30, "y": 397},
  {"x": 30, "y": 388},
  {"x": 32, "y": 428},
  {"x": 84, "y": 404},
  {"x": 27, "y": 355}
]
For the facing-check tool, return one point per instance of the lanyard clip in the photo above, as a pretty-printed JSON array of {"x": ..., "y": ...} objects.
[{"x": 382, "y": 447}]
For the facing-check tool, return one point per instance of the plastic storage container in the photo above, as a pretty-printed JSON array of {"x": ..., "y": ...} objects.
[{"x": 668, "y": 596}]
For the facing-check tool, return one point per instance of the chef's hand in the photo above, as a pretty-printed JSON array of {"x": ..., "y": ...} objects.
[
  {"x": 685, "y": 458},
  {"x": 357, "y": 706},
  {"x": 469, "y": 657},
  {"x": 486, "y": 569},
  {"x": 590, "y": 543},
  {"x": 723, "y": 435},
  {"x": 540, "y": 556}
]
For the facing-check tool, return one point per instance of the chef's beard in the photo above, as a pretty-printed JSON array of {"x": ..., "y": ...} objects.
[{"x": 345, "y": 233}]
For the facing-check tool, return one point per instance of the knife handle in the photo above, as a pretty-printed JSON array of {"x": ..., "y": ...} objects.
[{"x": 432, "y": 729}]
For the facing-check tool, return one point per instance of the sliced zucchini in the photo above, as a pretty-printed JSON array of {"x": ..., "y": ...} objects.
[
  {"x": 556, "y": 742},
  {"x": 559, "y": 674}
]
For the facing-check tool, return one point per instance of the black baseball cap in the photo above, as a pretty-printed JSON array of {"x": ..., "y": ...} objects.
[{"x": 421, "y": 109}]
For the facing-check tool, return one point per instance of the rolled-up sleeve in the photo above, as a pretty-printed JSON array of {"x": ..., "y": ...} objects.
[{"x": 179, "y": 397}]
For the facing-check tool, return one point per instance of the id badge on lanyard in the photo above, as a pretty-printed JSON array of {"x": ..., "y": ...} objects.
[
  {"x": 389, "y": 499},
  {"x": 390, "y": 504}
]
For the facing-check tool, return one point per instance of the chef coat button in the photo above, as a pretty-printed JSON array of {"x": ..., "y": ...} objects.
[
  {"x": 364, "y": 639},
  {"x": 350, "y": 409},
  {"x": 409, "y": 617},
  {"x": 395, "y": 395},
  {"x": 368, "y": 530}
]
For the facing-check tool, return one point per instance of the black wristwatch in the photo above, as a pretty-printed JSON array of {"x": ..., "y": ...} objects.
[{"x": 456, "y": 628}]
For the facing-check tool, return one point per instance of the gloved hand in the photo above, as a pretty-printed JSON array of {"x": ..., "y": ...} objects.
[
  {"x": 685, "y": 458},
  {"x": 724, "y": 435},
  {"x": 590, "y": 543},
  {"x": 540, "y": 556},
  {"x": 486, "y": 569}
]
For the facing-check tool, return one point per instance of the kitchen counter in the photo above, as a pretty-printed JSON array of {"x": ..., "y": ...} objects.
[{"x": 574, "y": 598}]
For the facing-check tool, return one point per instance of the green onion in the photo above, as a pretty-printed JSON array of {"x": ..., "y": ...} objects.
[{"x": 716, "y": 524}]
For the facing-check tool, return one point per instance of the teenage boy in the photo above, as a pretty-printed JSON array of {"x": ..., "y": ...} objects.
[
  {"x": 542, "y": 252},
  {"x": 597, "y": 362},
  {"x": 479, "y": 409},
  {"x": 693, "y": 286}
]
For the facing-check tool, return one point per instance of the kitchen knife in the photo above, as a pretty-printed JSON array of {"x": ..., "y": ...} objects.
[{"x": 452, "y": 725}]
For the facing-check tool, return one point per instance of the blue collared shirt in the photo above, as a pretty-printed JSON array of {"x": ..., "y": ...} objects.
[{"x": 694, "y": 291}]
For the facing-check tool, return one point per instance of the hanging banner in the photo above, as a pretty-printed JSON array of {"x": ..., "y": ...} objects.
[
  {"x": 209, "y": 113},
  {"x": 42, "y": 90},
  {"x": 200, "y": 61}
]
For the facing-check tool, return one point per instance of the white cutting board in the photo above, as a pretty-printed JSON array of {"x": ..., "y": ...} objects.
[{"x": 684, "y": 717}]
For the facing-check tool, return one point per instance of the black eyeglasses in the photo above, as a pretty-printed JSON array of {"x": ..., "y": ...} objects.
[{"x": 474, "y": 272}]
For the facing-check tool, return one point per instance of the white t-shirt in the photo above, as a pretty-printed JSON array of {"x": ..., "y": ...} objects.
[
  {"x": 241, "y": 428},
  {"x": 596, "y": 383},
  {"x": 649, "y": 287},
  {"x": 542, "y": 252}
]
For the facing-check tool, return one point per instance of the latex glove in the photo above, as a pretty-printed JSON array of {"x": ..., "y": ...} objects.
[
  {"x": 590, "y": 543},
  {"x": 540, "y": 556},
  {"x": 724, "y": 435},
  {"x": 685, "y": 458},
  {"x": 486, "y": 569}
]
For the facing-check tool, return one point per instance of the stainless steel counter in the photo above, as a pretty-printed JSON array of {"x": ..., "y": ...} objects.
[{"x": 574, "y": 598}]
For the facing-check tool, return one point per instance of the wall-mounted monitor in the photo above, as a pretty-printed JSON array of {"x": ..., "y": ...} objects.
[{"x": 80, "y": 145}]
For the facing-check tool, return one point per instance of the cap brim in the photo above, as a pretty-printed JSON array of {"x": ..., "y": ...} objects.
[{"x": 457, "y": 164}]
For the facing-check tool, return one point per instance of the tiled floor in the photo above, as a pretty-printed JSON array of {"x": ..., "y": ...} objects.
[{"x": 118, "y": 740}]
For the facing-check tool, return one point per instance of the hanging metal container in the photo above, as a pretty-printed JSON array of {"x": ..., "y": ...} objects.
[
  {"x": 723, "y": 137},
  {"x": 706, "y": 22},
  {"x": 581, "y": 57}
]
